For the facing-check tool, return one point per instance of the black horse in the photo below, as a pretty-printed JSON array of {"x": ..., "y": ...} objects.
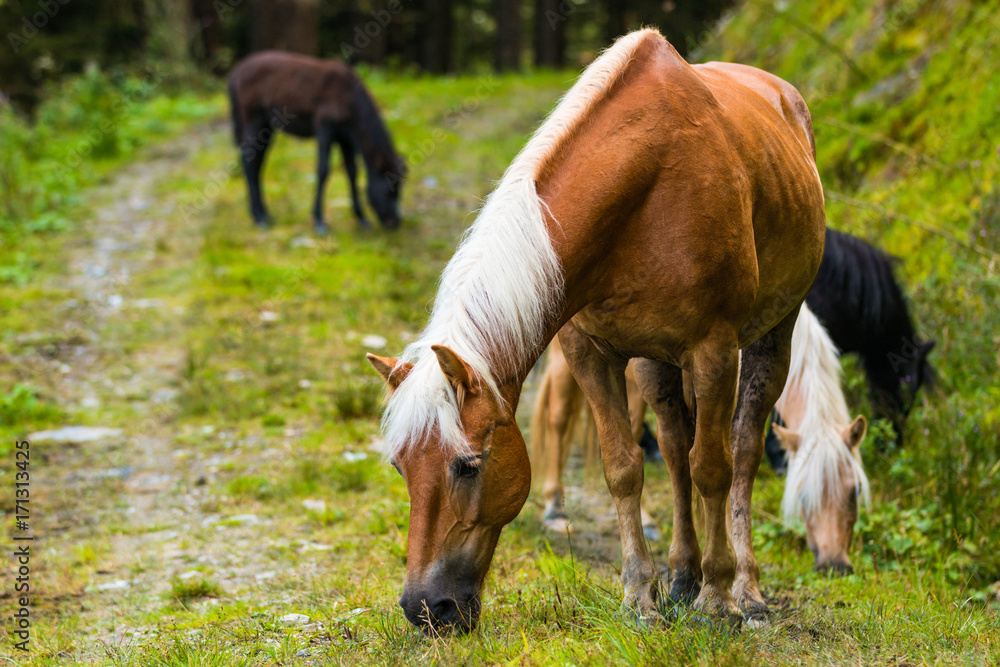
[
  {"x": 858, "y": 300},
  {"x": 308, "y": 97}
]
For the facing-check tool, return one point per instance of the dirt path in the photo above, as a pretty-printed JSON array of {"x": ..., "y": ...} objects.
[{"x": 122, "y": 502}]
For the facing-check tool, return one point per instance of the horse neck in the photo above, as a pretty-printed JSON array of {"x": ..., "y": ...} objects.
[{"x": 374, "y": 141}]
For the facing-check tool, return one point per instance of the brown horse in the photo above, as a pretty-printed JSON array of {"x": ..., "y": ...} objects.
[
  {"x": 826, "y": 478},
  {"x": 307, "y": 97},
  {"x": 666, "y": 212},
  {"x": 555, "y": 419}
]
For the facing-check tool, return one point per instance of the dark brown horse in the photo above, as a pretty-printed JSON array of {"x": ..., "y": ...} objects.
[
  {"x": 307, "y": 97},
  {"x": 663, "y": 212}
]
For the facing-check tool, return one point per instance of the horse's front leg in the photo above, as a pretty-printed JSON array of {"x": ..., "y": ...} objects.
[
  {"x": 347, "y": 144},
  {"x": 603, "y": 383},
  {"x": 662, "y": 385},
  {"x": 762, "y": 377},
  {"x": 715, "y": 373},
  {"x": 324, "y": 140}
]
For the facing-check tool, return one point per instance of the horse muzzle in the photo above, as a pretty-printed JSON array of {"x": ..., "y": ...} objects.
[{"x": 442, "y": 614}]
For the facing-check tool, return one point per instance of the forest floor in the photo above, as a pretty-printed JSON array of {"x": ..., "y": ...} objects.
[{"x": 234, "y": 514}]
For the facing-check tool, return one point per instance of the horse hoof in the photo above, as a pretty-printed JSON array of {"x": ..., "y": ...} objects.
[
  {"x": 263, "y": 224},
  {"x": 364, "y": 225},
  {"x": 684, "y": 588},
  {"x": 651, "y": 532},
  {"x": 559, "y": 524},
  {"x": 321, "y": 229}
]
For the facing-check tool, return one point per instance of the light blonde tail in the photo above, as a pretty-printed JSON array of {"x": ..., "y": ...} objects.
[{"x": 539, "y": 419}]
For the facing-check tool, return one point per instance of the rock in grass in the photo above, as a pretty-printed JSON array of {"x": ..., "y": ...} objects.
[
  {"x": 75, "y": 434},
  {"x": 294, "y": 619},
  {"x": 373, "y": 342}
]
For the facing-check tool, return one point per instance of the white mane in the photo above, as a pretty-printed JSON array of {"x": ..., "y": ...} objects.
[
  {"x": 814, "y": 379},
  {"x": 504, "y": 284}
]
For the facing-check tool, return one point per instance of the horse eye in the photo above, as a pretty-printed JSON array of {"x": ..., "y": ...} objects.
[{"x": 466, "y": 468}]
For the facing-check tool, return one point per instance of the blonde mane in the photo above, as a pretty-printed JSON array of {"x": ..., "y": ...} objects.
[
  {"x": 503, "y": 286},
  {"x": 814, "y": 382}
]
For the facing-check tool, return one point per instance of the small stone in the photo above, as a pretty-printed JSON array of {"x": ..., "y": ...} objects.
[
  {"x": 314, "y": 505},
  {"x": 90, "y": 402},
  {"x": 119, "y": 585},
  {"x": 269, "y": 316},
  {"x": 75, "y": 434},
  {"x": 244, "y": 518},
  {"x": 305, "y": 384},
  {"x": 294, "y": 619},
  {"x": 374, "y": 342},
  {"x": 303, "y": 242},
  {"x": 190, "y": 574}
]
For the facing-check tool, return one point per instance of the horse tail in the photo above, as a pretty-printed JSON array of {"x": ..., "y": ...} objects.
[
  {"x": 539, "y": 419},
  {"x": 234, "y": 108}
]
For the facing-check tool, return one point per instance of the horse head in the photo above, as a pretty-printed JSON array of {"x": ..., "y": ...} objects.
[
  {"x": 829, "y": 488},
  {"x": 460, "y": 499},
  {"x": 384, "y": 190}
]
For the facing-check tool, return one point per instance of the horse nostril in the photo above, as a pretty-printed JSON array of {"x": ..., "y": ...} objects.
[{"x": 444, "y": 611}]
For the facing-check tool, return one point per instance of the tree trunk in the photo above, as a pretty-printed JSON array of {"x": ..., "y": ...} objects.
[
  {"x": 288, "y": 25},
  {"x": 435, "y": 36},
  {"x": 550, "y": 32},
  {"x": 508, "y": 37}
]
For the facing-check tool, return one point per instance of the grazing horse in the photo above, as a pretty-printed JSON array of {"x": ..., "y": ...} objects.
[
  {"x": 308, "y": 97},
  {"x": 666, "y": 212},
  {"x": 857, "y": 299},
  {"x": 861, "y": 305},
  {"x": 825, "y": 477},
  {"x": 553, "y": 422}
]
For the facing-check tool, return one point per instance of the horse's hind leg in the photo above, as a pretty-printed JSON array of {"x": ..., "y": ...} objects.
[
  {"x": 636, "y": 415},
  {"x": 257, "y": 136},
  {"x": 347, "y": 144},
  {"x": 662, "y": 385},
  {"x": 324, "y": 141},
  {"x": 762, "y": 377},
  {"x": 563, "y": 409},
  {"x": 603, "y": 383}
]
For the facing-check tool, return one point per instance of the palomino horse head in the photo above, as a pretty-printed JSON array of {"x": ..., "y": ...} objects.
[
  {"x": 460, "y": 498},
  {"x": 824, "y": 485}
]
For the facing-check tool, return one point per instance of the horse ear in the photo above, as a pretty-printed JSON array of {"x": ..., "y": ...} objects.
[
  {"x": 853, "y": 434},
  {"x": 392, "y": 370},
  {"x": 459, "y": 373},
  {"x": 787, "y": 438}
]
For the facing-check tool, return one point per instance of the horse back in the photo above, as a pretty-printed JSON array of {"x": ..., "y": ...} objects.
[{"x": 301, "y": 88}]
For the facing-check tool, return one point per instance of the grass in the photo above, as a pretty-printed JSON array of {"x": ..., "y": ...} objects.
[{"x": 236, "y": 368}]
